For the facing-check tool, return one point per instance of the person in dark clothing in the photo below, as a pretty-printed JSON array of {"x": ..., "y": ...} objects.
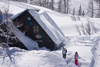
[{"x": 64, "y": 51}]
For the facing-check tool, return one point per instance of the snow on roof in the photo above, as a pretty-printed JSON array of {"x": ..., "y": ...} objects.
[
  {"x": 14, "y": 16},
  {"x": 48, "y": 25},
  {"x": 56, "y": 34},
  {"x": 25, "y": 40}
]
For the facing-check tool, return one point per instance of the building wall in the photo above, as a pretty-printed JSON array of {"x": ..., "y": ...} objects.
[
  {"x": 1, "y": 17},
  {"x": 33, "y": 30}
]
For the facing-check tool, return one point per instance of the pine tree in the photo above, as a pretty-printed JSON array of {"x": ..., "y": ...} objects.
[
  {"x": 90, "y": 10},
  {"x": 80, "y": 11},
  {"x": 98, "y": 14},
  {"x": 74, "y": 11},
  {"x": 65, "y": 6},
  {"x": 59, "y": 5},
  {"x": 68, "y": 6},
  {"x": 83, "y": 14},
  {"x": 52, "y": 4}
]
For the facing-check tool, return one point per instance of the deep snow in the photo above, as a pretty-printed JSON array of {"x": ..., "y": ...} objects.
[
  {"x": 42, "y": 57},
  {"x": 86, "y": 46}
]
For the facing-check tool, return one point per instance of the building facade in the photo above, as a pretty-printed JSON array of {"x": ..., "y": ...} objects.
[{"x": 31, "y": 28}]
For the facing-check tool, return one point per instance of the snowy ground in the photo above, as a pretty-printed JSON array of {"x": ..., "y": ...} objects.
[
  {"x": 43, "y": 57},
  {"x": 86, "y": 46},
  {"x": 40, "y": 58}
]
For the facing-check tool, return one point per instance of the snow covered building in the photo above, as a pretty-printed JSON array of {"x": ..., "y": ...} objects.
[{"x": 39, "y": 27}]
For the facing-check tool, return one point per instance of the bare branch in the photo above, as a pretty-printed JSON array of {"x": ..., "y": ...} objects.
[
  {"x": 77, "y": 28},
  {"x": 83, "y": 29}
]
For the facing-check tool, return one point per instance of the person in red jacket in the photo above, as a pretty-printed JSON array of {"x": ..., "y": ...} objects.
[{"x": 76, "y": 58}]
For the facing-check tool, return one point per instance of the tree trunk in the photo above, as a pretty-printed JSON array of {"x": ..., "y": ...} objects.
[
  {"x": 65, "y": 6},
  {"x": 52, "y": 4}
]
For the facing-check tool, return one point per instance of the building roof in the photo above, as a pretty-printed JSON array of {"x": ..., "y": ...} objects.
[
  {"x": 48, "y": 26},
  {"x": 25, "y": 40}
]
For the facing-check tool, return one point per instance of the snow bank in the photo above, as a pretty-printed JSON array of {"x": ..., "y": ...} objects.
[
  {"x": 41, "y": 58},
  {"x": 95, "y": 62},
  {"x": 46, "y": 58}
]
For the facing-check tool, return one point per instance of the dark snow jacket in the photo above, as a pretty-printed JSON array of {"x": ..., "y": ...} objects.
[{"x": 64, "y": 51}]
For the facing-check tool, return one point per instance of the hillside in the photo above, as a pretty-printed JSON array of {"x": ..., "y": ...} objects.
[{"x": 67, "y": 28}]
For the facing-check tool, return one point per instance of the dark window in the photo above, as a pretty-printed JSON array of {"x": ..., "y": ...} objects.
[
  {"x": 26, "y": 28},
  {"x": 35, "y": 29}
]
